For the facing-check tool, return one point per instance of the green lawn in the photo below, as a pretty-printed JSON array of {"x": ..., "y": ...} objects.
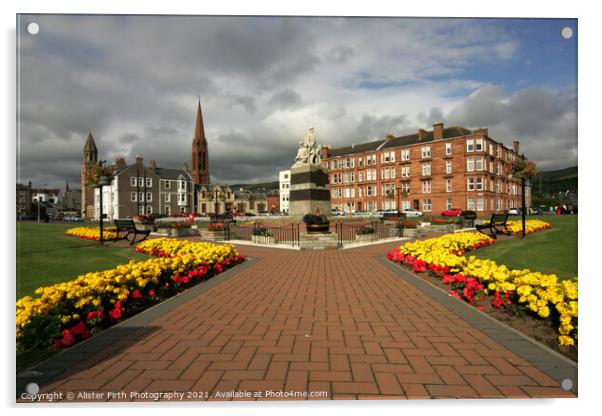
[
  {"x": 46, "y": 256},
  {"x": 552, "y": 252}
]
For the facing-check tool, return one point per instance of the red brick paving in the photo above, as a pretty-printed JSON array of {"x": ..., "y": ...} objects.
[{"x": 332, "y": 321}]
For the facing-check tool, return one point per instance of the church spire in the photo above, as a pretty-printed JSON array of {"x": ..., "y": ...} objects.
[
  {"x": 200, "y": 151},
  {"x": 199, "y": 130},
  {"x": 67, "y": 186}
]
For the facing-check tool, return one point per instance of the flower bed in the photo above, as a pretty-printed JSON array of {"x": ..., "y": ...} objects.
[
  {"x": 68, "y": 312},
  {"x": 478, "y": 281},
  {"x": 531, "y": 226},
  {"x": 92, "y": 233},
  {"x": 215, "y": 226}
]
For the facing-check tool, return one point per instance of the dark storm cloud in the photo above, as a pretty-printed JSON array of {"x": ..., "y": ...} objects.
[
  {"x": 134, "y": 81},
  {"x": 377, "y": 127},
  {"x": 285, "y": 99},
  {"x": 545, "y": 122}
]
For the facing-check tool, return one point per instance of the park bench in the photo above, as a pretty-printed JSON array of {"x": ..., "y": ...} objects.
[
  {"x": 129, "y": 227},
  {"x": 468, "y": 218},
  {"x": 494, "y": 226}
]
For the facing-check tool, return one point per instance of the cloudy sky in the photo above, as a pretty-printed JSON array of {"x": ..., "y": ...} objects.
[{"x": 134, "y": 81}]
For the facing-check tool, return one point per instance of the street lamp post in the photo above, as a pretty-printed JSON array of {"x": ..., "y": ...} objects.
[
  {"x": 38, "y": 201},
  {"x": 102, "y": 181}
]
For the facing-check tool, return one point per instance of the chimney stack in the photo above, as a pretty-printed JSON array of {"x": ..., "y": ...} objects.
[
  {"x": 421, "y": 133},
  {"x": 185, "y": 167},
  {"x": 139, "y": 159},
  {"x": 120, "y": 163},
  {"x": 516, "y": 146},
  {"x": 152, "y": 164},
  {"x": 437, "y": 131}
]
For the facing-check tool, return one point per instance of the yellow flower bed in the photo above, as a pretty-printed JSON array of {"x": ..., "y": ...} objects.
[
  {"x": 540, "y": 293},
  {"x": 93, "y": 296},
  {"x": 531, "y": 226},
  {"x": 93, "y": 233}
]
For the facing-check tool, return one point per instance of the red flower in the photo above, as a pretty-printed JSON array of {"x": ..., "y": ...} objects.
[
  {"x": 94, "y": 315},
  {"x": 115, "y": 313},
  {"x": 481, "y": 307},
  {"x": 454, "y": 293},
  {"x": 152, "y": 291},
  {"x": 136, "y": 294}
]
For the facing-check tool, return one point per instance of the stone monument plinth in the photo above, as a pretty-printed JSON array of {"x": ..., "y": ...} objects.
[{"x": 309, "y": 189}]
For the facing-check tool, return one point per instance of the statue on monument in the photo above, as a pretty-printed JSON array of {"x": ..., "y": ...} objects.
[{"x": 309, "y": 153}]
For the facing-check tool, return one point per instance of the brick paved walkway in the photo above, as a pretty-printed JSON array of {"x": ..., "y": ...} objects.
[{"x": 334, "y": 321}]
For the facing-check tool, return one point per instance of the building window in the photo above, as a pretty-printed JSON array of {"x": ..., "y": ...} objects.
[
  {"x": 426, "y": 205},
  {"x": 479, "y": 145},
  {"x": 167, "y": 183},
  {"x": 479, "y": 184},
  {"x": 167, "y": 197},
  {"x": 149, "y": 182},
  {"x": 479, "y": 163},
  {"x": 426, "y": 187},
  {"x": 448, "y": 149},
  {"x": 167, "y": 210},
  {"x": 426, "y": 152},
  {"x": 141, "y": 197},
  {"x": 480, "y": 204},
  {"x": 426, "y": 169},
  {"x": 470, "y": 145},
  {"x": 134, "y": 197},
  {"x": 470, "y": 184},
  {"x": 133, "y": 181},
  {"x": 499, "y": 168},
  {"x": 141, "y": 182},
  {"x": 449, "y": 204},
  {"x": 405, "y": 205},
  {"x": 469, "y": 165},
  {"x": 392, "y": 173},
  {"x": 470, "y": 204},
  {"x": 141, "y": 209},
  {"x": 448, "y": 167},
  {"x": 149, "y": 209},
  {"x": 149, "y": 196},
  {"x": 490, "y": 149},
  {"x": 448, "y": 185},
  {"x": 405, "y": 155},
  {"x": 405, "y": 187},
  {"x": 405, "y": 171}
]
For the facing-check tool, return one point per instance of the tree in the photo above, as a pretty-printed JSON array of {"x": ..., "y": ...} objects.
[{"x": 524, "y": 170}]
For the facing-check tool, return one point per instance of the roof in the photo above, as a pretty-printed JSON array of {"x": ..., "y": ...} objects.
[
  {"x": 174, "y": 174},
  {"x": 400, "y": 141},
  {"x": 358, "y": 148}
]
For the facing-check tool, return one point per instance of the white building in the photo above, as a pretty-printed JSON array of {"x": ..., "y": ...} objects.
[{"x": 285, "y": 189}]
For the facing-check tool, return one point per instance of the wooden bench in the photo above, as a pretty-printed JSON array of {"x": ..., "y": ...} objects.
[
  {"x": 495, "y": 225},
  {"x": 129, "y": 227}
]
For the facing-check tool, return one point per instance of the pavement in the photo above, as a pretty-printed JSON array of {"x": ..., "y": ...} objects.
[{"x": 305, "y": 325}]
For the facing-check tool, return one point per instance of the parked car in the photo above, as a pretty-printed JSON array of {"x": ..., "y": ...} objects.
[
  {"x": 453, "y": 212},
  {"x": 410, "y": 212},
  {"x": 364, "y": 213},
  {"x": 336, "y": 212},
  {"x": 73, "y": 218},
  {"x": 514, "y": 211},
  {"x": 264, "y": 213}
]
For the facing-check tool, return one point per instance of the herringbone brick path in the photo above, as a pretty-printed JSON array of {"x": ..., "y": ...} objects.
[{"x": 333, "y": 321}]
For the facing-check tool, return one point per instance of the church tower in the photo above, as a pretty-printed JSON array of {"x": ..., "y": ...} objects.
[
  {"x": 90, "y": 158},
  {"x": 200, "y": 151}
]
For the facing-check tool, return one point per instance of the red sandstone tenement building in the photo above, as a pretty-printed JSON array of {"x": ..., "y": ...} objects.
[{"x": 430, "y": 171}]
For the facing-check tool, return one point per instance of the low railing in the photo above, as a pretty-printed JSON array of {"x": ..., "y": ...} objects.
[
  {"x": 367, "y": 231},
  {"x": 282, "y": 234}
]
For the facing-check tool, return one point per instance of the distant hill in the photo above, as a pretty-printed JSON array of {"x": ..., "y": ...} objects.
[
  {"x": 259, "y": 187},
  {"x": 555, "y": 181}
]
